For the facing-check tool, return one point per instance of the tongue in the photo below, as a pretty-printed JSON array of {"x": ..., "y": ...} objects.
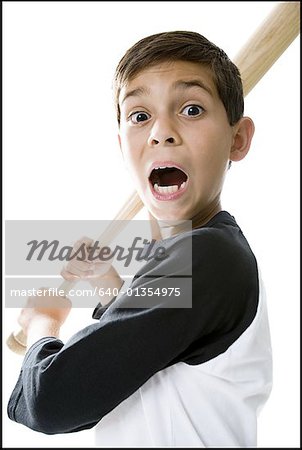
[{"x": 171, "y": 177}]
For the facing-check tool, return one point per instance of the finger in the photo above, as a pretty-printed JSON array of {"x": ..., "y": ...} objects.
[
  {"x": 75, "y": 274},
  {"x": 49, "y": 299},
  {"x": 100, "y": 269},
  {"x": 81, "y": 266},
  {"x": 30, "y": 303},
  {"x": 81, "y": 270},
  {"x": 68, "y": 276},
  {"x": 84, "y": 240},
  {"x": 83, "y": 243}
]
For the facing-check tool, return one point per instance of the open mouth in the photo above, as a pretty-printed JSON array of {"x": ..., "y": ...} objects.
[{"x": 168, "y": 180}]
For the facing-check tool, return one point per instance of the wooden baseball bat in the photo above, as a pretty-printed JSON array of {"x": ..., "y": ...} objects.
[
  {"x": 16, "y": 341},
  {"x": 255, "y": 58}
]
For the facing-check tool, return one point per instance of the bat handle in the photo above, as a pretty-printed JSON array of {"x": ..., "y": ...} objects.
[{"x": 16, "y": 342}]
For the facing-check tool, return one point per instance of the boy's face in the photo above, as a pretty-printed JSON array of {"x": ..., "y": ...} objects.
[{"x": 176, "y": 139}]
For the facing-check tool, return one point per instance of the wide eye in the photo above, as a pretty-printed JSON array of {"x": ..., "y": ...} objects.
[
  {"x": 192, "y": 110},
  {"x": 139, "y": 116}
]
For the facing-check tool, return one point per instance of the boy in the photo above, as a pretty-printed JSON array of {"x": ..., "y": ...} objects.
[{"x": 164, "y": 375}]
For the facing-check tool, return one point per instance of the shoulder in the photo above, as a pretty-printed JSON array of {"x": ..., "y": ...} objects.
[
  {"x": 221, "y": 245},
  {"x": 224, "y": 270},
  {"x": 215, "y": 251}
]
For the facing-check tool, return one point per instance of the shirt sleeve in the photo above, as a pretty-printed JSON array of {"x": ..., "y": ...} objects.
[{"x": 68, "y": 388}]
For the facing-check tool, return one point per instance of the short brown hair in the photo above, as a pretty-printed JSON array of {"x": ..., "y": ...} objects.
[{"x": 184, "y": 46}]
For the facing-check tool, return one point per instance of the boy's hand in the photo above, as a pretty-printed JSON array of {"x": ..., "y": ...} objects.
[
  {"x": 100, "y": 274},
  {"x": 43, "y": 316},
  {"x": 87, "y": 269}
]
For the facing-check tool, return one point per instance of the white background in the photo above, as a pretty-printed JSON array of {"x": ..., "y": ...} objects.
[{"x": 62, "y": 161}]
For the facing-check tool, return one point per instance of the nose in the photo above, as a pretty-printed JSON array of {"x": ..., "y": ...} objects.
[{"x": 163, "y": 133}]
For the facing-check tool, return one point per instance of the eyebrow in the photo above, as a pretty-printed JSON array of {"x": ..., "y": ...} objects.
[
  {"x": 136, "y": 93},
  {"x": 180, "y": 84}
]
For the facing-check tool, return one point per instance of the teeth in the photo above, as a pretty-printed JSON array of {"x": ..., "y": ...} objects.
[
  {"x": 182, "y": 185},
  {"x": 164, "y": 189},
  {"x": 167, "y": 189},
  {"x": 174, "y": 189}
]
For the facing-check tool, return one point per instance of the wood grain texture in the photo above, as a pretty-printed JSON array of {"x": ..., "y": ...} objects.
[{"x": 268, "y": 43}]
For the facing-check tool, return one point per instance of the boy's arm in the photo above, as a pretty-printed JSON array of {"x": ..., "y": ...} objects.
[{"x": 66, "y": 388}]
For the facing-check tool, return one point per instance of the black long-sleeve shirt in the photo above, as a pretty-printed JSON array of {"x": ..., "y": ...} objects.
[{"x": 69, "y": 387}]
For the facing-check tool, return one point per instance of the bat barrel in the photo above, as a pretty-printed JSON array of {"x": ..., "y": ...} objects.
[{"x": 268, "y": 43}]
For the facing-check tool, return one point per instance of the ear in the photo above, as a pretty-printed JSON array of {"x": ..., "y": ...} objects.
[{"x": 243, "y": 134}]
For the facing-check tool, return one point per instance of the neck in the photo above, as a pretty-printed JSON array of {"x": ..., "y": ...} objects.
[
  {"x": 203, "y": 217},
  {"x": 161, "y": 229},
  {"x": 171, "y": 228}
]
